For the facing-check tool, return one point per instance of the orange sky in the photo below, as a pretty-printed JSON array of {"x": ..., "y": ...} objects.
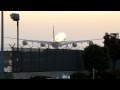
[{"x": 77, "y": 25}]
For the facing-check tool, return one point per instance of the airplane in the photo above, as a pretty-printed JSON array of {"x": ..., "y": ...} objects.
[{"x": 58, "y": 41}]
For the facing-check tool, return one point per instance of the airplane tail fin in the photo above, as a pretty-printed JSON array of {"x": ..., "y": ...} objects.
[{"x": 53, "y": 35}]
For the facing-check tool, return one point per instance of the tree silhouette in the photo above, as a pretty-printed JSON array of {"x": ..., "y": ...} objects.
[
  {"x": 96, "y": 57},
  {"x": 113, "y": 43}
]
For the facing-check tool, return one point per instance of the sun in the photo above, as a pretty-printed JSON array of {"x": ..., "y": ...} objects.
[{"x": 60, "y": 37}]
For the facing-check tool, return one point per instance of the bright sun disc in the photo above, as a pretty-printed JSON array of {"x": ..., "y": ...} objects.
[{"x": 60, "y": 37}]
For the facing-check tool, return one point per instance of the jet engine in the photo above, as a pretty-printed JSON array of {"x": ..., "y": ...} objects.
[
  {"x": 74, "y": 44},
  {"x": 91, "y": 43},
  {"x": 24, "y": 42},
  {"x": 42, "y": 44},
  {"x": 55, "y": 44}
]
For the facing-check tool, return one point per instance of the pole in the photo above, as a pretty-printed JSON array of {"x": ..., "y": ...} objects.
[
  {"x": 2, "y": 48},
  {"x": 93, "y": 73},
  {"x": 17, "y": 35},
  {"x": 17, "y": 44},
  {"x": 118, "y": 35}
]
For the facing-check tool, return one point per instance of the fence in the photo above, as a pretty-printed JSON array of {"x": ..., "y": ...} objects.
[{"x": 41, "y": 60}]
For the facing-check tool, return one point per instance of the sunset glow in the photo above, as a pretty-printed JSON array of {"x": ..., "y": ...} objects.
[{"x": 78, "y": 25}]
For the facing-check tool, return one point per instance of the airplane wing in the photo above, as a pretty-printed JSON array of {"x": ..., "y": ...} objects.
[
  {"x": 50, "y": 42},
  {"x": 33, "y": 41},
  {"x": 70, "y": 42},
  {"x": 38, "y": 41},
  {"x": 79, "y": 41}
]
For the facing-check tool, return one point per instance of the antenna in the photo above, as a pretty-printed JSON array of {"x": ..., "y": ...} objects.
[{"x": 53, "y": 35}]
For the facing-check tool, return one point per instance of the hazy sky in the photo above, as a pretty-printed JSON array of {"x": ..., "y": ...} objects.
[{"x": 77, "y": 25}]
